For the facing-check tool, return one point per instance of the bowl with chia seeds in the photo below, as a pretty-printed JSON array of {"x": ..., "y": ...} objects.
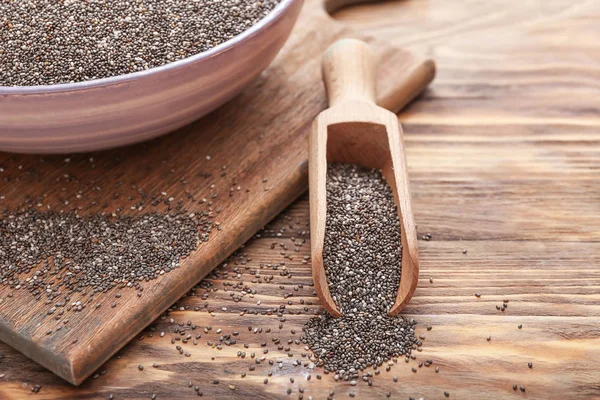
[{"x": 80, "y": 76}]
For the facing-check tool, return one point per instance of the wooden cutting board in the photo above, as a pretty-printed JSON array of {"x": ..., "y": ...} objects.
[{"x": 256, "y": 143}]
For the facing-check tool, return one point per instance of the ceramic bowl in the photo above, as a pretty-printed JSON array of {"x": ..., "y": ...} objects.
[{"x": 125, "y": 109}]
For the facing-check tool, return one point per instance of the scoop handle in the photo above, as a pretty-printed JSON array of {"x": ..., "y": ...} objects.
[{"x": 349, "y": 72}]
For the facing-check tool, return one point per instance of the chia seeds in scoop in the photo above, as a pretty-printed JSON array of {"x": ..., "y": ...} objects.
[
  {"x": 362, "y": 257},
  {"x": 47, "y": 42}
]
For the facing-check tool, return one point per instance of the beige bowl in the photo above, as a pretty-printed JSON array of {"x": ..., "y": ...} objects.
[{"x": 125, "y": 109}]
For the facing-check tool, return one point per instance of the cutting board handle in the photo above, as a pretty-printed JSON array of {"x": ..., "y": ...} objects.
[
  {"x": 349, "y": 72},
  {"x": 332, "y": 6}
]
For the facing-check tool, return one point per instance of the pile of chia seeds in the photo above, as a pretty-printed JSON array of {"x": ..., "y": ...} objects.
[
  {"x": 362, "y": 257},
  {"x": 52, "y": 254},
  {"x": 48, "y": 42}
]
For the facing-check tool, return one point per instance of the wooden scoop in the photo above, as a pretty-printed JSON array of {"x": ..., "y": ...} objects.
[{"x": 355, "y": 130}]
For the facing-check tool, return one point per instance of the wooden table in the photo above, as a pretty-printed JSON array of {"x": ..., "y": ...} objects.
[{"x": 504, "y": 158}]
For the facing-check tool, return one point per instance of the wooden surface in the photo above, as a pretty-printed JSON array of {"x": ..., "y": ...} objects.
[
  {"x": 354, "y": 130},
  {"x": 257, "y": 145},
  {"x": 504, "y": 157}
]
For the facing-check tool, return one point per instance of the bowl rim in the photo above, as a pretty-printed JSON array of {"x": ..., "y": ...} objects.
[{"x": 273, "y": 15}]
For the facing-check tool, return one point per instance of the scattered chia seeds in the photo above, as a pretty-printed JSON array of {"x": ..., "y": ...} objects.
[
  {"x": 52, "y": 254},
  {"x": 362, "y": 255},
  {"x": 47, "y": 42},
  {"x": 273, "y": 348}
]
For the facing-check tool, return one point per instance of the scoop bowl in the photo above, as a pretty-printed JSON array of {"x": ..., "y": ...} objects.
[{"x": 354, "y": 130}]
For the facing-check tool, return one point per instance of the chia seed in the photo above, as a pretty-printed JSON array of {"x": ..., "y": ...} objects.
[
  {"x": 362, "y": 255},
  {"x": 55, "y": 253},
  {"x": 47, "y": 42}
]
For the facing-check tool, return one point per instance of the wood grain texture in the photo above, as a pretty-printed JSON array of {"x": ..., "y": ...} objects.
[
  {"x": 558, "y": 311},
  {"x": 354, "y": 130},
  {"x": 503, "y": 154},
  {"x": 258, "y": 156}
]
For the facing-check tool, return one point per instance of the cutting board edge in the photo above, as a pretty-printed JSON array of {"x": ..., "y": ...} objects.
[{"x": 53, "y": 361}]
